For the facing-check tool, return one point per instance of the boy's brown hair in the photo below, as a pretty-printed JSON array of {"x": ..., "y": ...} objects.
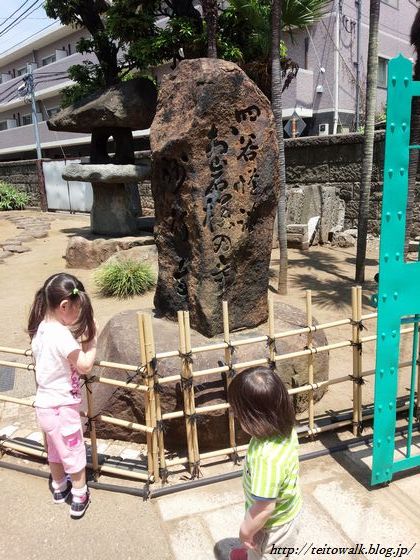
[{"x": 260, "y": 401}]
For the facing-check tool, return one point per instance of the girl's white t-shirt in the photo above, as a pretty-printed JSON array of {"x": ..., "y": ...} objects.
[{"x": 58, "y": 381}]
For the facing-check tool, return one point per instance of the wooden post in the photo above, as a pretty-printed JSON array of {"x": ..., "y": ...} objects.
[
  {"x": 92, "y": 429},
  {"x": 228, "y": 362},
  {"x": 309, "y": 344},
  {"x": 154, "y": 382},
  {"x": 184, "y": 381},
  {"x": 143, "y": 361}
]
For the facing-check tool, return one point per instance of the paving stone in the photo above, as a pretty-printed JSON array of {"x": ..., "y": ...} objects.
[
  {"x": 4, "y": 254},
  {"x": 8, "y": 431},
  {"x": 13, "y": 241},
  {"x": 24, "y": 238},
  {"x": 190, "y": 540},
  {"x": 16, "y": 248}
]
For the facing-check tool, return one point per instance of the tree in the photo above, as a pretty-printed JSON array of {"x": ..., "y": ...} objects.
[
  {"x": 210, "y": 12},
  {"x": 127, "y": 39},
  {"x": 276, "y": 103},
  {"x": 369, "y": 138}
]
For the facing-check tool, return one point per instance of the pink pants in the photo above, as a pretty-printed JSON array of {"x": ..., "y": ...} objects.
[{"x": 63, "y": 429}]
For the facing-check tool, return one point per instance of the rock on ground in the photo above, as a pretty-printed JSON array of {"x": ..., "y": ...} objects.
[{"x": 119, "y": 342}]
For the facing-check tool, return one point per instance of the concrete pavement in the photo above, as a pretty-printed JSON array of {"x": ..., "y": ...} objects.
[{"x": 341, "y": 511}]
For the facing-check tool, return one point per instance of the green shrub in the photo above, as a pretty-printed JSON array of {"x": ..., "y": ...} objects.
[
  {"x": 11, "y": 198},
  {"x": 124, "y": 279}
]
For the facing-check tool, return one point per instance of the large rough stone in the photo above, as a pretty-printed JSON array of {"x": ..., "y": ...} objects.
[
  {"x": 131, "y": 105},
  {"x": 309, "y": 201},
  {"x": 344, "y": 239},
  {"x": 215, "y": 181},
  {"x": 119, "y": 342},
  {"x": 90, "y": 253}
]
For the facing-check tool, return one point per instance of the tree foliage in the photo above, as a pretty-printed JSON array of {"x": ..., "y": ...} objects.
[{"x": 137, "y": 35}]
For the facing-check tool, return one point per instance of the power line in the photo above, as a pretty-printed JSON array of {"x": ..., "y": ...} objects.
[
  {"x": 29, "y": 37},
  {"x": 20, "y": 18},
  {"x": 15, "y": 12}
]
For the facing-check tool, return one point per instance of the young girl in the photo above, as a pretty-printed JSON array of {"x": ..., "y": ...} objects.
[
  {"x": 60, "y": 314},
  {"x": 273, "y": 500}
]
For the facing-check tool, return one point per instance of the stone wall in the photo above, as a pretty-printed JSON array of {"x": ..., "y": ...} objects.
[
  {"x": 336, "y": 161},
  {"x": 24, "y": 176},
  {"x": 333, "y": 161}
]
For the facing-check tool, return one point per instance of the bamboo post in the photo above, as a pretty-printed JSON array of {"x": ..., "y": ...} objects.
[
  {"x": 228, "y": 362},
  {"x": 360, "y": 360},
  {"x": 196, "y": 450},
  {"x": 150, "y": 353},
  {"x": 92, "y": 429},
  {"x": 271, "y": 331},
  {"x": 146, "y": 396},
  {"x": 154, "y": 384},
  {"x": 309, "y": 344},
  {"x": 356, "y": 343},
  {"x": 184, "y": 387}
]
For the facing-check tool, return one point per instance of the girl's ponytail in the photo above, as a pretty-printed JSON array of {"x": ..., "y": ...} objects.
[
  {"x": 85, "y": 325},
  {"x": 38, "y": 311}
]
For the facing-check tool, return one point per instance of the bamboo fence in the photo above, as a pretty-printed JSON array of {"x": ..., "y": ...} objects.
[{"x": 158, "y": 465}]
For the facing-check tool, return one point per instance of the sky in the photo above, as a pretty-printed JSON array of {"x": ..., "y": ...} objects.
[{"x": 35, "y": 20}]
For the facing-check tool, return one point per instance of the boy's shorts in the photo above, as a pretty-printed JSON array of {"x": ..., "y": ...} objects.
[
  {"x": 63, "y": 429},
  {"x": 276, "y": 543}
]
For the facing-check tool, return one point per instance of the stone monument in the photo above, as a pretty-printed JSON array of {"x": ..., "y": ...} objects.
[
  {"x": 113, "y": 113},
  {"x": 215, "y": 180}
]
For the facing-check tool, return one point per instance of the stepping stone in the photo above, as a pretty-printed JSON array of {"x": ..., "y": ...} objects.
[
  {"x": 16, "y": 248},
  {"x": 13, "y": 241},
  {"x": 4, "y": 254},
  {"x": 24, "y": 238}
]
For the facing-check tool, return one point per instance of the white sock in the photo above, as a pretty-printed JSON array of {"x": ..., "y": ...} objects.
[
  {"x": 60, "y": 485},
  {"x": 79, "y": 494}
]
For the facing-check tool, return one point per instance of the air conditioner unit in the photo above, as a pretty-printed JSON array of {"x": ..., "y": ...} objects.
[
  {"x": 11, "y": 123},
  {"x": 59, "y": 54},
  {"x": 323, "y": 129}
]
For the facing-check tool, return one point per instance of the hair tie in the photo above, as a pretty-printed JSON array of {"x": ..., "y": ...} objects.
[{"x": 75, "y": 292}]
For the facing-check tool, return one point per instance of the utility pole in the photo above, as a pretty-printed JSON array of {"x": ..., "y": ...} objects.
[
  {"x": 358, "y": 31},
  {"x": 336, "y": 64},
  {"x": 29, "y": 90}
]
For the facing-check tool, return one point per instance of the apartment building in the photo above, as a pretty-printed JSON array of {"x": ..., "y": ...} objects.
[
  {"x": 328, "y": 54},
  {"x": 50, "y": 53},
  {"x": 322, "y": 98}
]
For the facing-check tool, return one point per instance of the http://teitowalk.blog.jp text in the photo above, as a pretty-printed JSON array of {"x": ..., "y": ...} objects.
[{"x": 373, "y": 551}]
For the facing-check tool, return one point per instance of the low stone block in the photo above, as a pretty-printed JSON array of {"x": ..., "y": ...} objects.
[
  {"x": 16, "y": 248},
  {"x": 88, "y": 253}
]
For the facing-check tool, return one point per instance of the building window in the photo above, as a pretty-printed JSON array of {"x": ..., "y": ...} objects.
[
  {"x": 382, "y": 72},
  {"x": 53, "y": 111},
  {"x": 48, "y": 60},
  {"x": 3, "y": 125},
  {"x": 26, "y": 119},
  {"x": 21, "y": 71}
]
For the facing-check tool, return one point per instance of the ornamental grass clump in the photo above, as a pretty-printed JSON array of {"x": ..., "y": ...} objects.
[
  {"x": 123, "y": 279},
  {"x": 11, "y": 198}
]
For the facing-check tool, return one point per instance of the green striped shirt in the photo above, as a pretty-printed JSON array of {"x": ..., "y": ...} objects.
[{"x": 271, "y": 471}]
